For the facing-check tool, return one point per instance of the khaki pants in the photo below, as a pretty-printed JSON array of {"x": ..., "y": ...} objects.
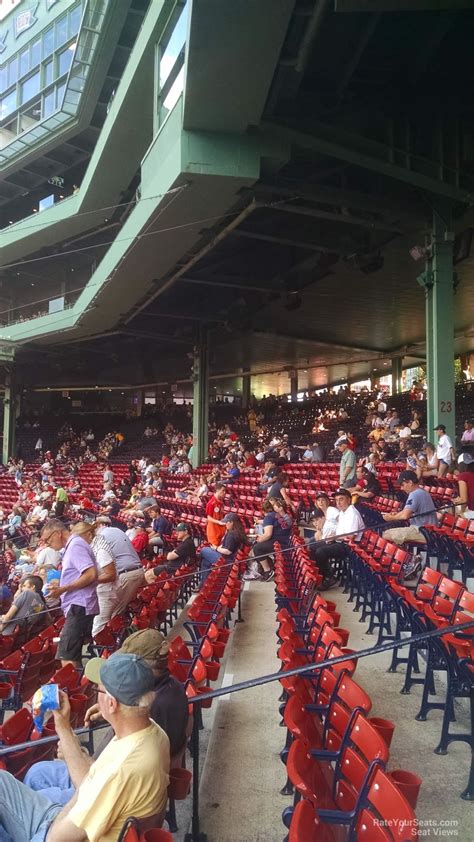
[
  {"x": 129, "y": 583},
  {"x": 108, "y": 604},
  {"x": 404, "y": 533}
]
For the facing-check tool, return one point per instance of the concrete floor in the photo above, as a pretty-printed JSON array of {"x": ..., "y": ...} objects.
[{"x": 242, "y": 773}]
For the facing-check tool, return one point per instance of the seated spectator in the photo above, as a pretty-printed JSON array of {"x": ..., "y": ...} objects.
[
  {"x": 140, "y": 539},
  {"x": 46, "y": 556},
  {"x": 468, "y": 434},
  {"x": 412, "y": 458},
  {"x": 279, "y": 489},
  {"x": 39, "y": 514},
  {"x": 277, "y": 526},
  {"x": 465, "y": 481},
  {"x": 233, "y": 540},
  {"x": 147, "y": 499},
  {"x": 13, "y": 523},
  {"x": 269, "y": 474},
  {"x": 26, "y": 605},
  {"x": 415, "y": 422},
  {"x": 329, "y": 514},
  {"x": 183, "y": 554},
  {"x": 392, "y": 421},
  {"x": 367, "y": 486},
  {"x": 129, "y": 778},
  {"x": 419, "y": 510},
  {"x": 348, "y": 523},
  {"x": 403, "y": 431},
  {"x": 160, "y": 530},
  {"x": 376, "y": 434},
  {"x": 308, "y": 454}
]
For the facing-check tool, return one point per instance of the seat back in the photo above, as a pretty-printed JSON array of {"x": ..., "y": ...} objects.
[{"x": 384, "y": 806}]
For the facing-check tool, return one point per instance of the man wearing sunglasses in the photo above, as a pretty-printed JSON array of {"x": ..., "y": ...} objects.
[{"x": 77, "y": 589}]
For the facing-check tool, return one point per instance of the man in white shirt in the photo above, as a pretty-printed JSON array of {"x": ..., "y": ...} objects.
[
  {"x": 349, "y": 521},
  {"x": 444, "y": 450},
  {"x": 404, "y": 432}
]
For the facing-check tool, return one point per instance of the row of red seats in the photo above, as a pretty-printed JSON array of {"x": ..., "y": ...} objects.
[
  {"x": 334, "y": 754},
  {"x": 435, "y": 602}
]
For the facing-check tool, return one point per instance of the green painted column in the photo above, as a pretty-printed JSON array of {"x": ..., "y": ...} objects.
[
  {"x": 294, "y": 385},
  {"x": 440, "y": 329},
  {"x": 9, "y": 415},
  {"x": 201, "y": 398},
  {"x": 246, "y": 388},
  {"x": 396, "y": 375}
]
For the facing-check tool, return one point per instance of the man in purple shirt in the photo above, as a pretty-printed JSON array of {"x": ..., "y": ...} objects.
[{"x": 77, "y": 589}]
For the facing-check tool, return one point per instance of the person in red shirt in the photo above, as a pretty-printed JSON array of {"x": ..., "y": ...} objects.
[
  {"x": 250, "y": 460},
  {"x": 140, "y": 539},
  {"x": 215, "y": 529}
]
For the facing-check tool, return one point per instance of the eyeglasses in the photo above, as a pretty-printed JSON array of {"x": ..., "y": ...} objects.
[{"x": 47, "y": 539}]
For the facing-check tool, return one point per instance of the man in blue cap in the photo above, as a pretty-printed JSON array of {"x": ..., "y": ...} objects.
[{"x": 130, "y": 777}]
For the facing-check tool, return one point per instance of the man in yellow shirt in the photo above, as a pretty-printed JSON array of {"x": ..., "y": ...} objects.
[{"x": 129, "y": 778}]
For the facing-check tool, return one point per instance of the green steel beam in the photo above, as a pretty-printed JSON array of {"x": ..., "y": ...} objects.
[
  {"x": 246, "y": 388},
  {"x": 201, "y": 399},
  {"x": 9, "y": 415},
  {"x": 336, "y": 144},
  {"x": 396, "y": 375},
  {"x": 401, "y": 5},
  {"x": 440, "y": 330}
]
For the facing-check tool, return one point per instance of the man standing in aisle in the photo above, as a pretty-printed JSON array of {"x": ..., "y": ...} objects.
[
  {"x": 131, "y": 575},
  {"x": 444, "y": 450},
  {"x": 215, "y": 515},
  {"x": 77, "y": 590},
  {"x": 347, "y": 468}
]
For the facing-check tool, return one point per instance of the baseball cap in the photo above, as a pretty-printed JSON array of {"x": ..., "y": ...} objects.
[
  {"x": 465, "y": 459},
  {"x": 342, "y": 441},
  {"x": 407, "y": 476},
  {"x": 440, "y": 427},
  {"x": 230, "y": 516},
  {"x": 182, "y": 527},
  {"x": 126, "y": 677},
  {"x": 146, "y": 643}
]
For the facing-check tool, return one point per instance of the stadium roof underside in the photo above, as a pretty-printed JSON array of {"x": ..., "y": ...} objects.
[{"x": 279, "y": 204}]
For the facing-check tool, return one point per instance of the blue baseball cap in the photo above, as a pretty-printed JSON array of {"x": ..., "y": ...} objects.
[{"x": 126, "y": 677}]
